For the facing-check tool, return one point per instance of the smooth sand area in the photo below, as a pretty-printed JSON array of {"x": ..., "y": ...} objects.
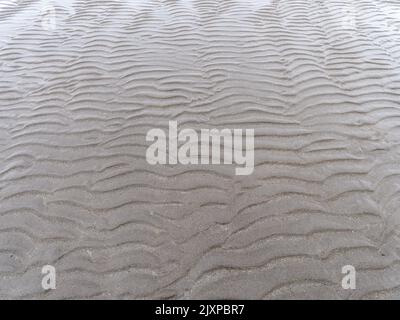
[{"x": 319, "y": 81}]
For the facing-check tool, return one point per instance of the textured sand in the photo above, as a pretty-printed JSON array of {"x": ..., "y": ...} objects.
[{"x": 318, "y": 80}]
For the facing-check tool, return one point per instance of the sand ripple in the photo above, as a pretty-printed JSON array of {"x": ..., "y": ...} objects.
[{"x": 318, "y": 80}]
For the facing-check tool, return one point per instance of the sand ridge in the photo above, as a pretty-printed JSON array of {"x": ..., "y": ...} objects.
[{"x": 319, "y": 81}]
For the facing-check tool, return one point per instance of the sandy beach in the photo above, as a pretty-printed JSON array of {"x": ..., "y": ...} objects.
[{"x": 83, "y": 81}]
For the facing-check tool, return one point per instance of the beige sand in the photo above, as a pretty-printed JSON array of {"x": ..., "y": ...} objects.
[{"x": 319, "y": 81}]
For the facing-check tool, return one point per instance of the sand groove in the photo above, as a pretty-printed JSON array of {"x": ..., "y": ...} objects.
[{"x": 318, "y": 80}]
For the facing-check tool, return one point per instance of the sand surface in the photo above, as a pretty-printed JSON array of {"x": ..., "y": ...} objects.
[{"x": 319, "y": 81}]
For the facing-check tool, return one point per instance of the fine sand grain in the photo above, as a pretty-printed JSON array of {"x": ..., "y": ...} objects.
[{"x": 318, "y": 80}]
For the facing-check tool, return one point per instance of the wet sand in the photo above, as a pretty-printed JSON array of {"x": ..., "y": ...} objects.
[{"x": 319, "y": 81}]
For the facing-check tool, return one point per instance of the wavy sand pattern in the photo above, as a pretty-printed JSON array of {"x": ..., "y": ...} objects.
[{"x": 319, "y": 81}]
